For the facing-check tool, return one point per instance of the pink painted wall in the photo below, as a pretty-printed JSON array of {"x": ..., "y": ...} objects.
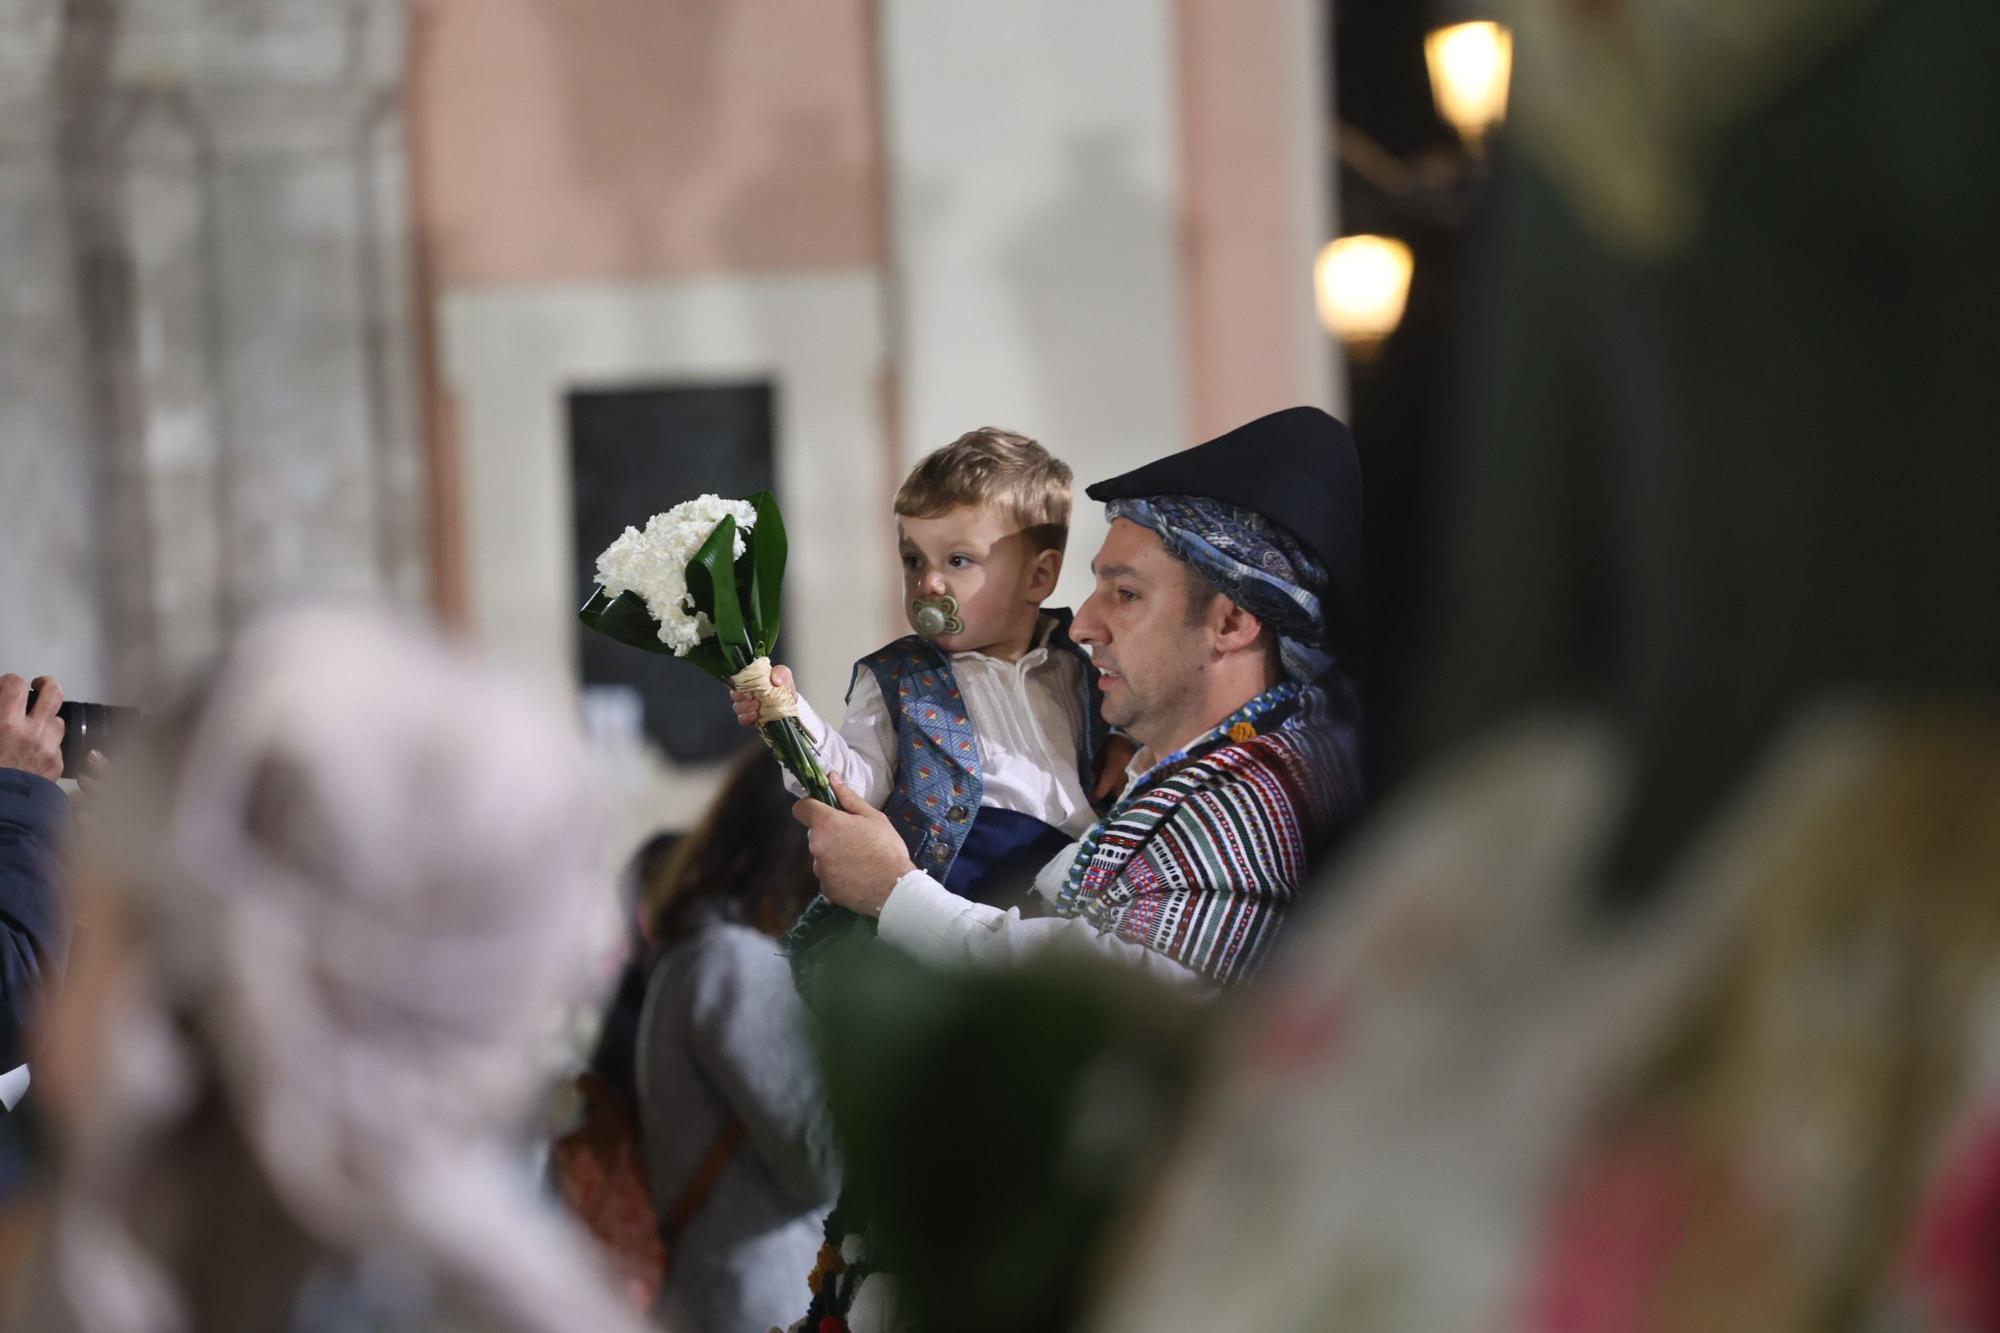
[
  {"x": 577, "y": 140},
  {"x": 585, "y": 140},
  {"x": 1244, "y": 275},
  {"x": 566, "y": 139}
]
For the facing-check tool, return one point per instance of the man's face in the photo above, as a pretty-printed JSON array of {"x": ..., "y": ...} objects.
[
  {"x": 974, "y": 554},
  {"x": 1148, "y": 654}
]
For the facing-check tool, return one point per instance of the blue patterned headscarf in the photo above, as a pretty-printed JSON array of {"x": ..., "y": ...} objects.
[{"x": 1252, "y": 561}]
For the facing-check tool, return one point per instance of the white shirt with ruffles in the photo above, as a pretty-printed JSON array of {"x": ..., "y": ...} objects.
[{"x": 1027, "y": 715}]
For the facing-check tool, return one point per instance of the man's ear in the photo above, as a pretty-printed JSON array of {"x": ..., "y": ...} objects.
[
  {"x": 1233, "y": 627},
  {"x": 1043, "y": 574}
]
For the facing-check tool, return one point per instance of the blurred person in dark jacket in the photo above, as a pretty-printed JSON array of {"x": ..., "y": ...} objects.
[
  {"x": 34, "y": 836},
  {"x": 614, "y": 1055},
  {"x": 34, "y": 907}
]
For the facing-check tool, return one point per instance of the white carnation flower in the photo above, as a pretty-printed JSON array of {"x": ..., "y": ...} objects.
[{"x": 653, "y": 564}]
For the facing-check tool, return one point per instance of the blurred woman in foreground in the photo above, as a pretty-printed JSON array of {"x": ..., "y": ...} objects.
[{"x": 344, "y": 902}]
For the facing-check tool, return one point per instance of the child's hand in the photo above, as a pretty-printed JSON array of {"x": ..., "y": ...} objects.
[
  {"x": 1111, "y": 763},
  {"x": 745, "y": 703}
]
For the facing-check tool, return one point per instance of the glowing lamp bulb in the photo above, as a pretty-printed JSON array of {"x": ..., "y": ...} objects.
[
  {"x": 1470, "y": 65},
  {"x": 1362, "y": 283}
]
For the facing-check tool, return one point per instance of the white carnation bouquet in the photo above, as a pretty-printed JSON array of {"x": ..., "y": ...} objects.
[{"x": 703, "y": 582}]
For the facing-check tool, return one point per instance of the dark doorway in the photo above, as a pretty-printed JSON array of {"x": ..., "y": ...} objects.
[{"x": 634, "y": 452}]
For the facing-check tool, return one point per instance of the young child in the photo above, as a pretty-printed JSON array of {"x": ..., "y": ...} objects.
[{"x": 979, "y": 735}]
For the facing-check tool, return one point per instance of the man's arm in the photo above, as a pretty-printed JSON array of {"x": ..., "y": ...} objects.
[
  {"x": 937, "y": 926},
  {"x": 863, "y": 865},
  {"x": 34, "y": 820}
]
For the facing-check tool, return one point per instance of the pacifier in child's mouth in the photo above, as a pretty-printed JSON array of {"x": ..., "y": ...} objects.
[{"x": 936, "y": 615}]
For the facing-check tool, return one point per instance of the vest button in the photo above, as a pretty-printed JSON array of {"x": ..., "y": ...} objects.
[
  {"x": 941, "y": 852},
  {"x": 958, "y": 814}
]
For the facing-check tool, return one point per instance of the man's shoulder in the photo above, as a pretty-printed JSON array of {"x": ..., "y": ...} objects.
[
  {"x": 1243, "y": 758},
  {"x": 1305, "y": 771}
]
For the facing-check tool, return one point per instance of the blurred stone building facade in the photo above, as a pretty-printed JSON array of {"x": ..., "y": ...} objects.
[
  {"x": 298, "y": 289},
  {"x": 210, "y": 377}
]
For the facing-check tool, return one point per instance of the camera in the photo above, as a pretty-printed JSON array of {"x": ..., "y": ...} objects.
[{"x": 88, "y": 727}]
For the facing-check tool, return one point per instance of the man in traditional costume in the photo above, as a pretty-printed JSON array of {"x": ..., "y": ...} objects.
[{"x": 1225, "y": 591}]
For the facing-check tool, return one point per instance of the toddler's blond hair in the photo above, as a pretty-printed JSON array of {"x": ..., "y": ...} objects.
[{"x": 1002, "y": 468}]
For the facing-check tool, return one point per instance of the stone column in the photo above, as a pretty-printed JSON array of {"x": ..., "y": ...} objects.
[
  {"x": 237, "y": 201},
  {"x": 49, "y": 607}
]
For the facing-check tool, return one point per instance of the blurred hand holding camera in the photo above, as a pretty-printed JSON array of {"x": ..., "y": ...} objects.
[{"x": 31, "y": 737}]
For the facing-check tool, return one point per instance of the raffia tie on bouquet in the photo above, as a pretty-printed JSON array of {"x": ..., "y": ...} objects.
[{"x": 774, "y": 702}]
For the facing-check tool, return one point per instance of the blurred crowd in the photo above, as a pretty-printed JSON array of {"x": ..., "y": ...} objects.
[{"x": 1659, "y": 994}]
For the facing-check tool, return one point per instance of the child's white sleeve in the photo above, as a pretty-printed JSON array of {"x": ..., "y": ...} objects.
[{"x": 863, "y": 752}]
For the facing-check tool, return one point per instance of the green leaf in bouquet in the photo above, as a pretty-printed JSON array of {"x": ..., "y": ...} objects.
[
  {"x": 768, "y": 547},
  {"x": 709, "y": 656},
  {"x": 626, "y": 619},
  {"x": 623, "y": 618},
  {"x": 711, "y": 581}
]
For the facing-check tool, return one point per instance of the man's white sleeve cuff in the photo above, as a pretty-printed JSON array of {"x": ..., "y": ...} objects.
[{"x": 924, "y": 918}]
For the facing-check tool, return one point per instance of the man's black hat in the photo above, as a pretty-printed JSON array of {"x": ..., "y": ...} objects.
[{"x": 1298, "y": 469}]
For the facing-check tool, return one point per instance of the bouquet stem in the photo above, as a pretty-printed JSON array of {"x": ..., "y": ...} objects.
[{"x": 793, "y": 749}]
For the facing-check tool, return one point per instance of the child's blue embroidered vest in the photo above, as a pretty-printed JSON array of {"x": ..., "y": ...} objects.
[{"x": 938, "y": 781}]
